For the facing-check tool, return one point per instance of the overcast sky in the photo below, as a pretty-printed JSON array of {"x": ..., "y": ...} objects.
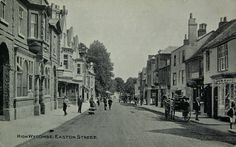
[{"x": 133, "y": 29}]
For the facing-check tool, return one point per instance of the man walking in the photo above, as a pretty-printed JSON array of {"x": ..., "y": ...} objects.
[
  {"x": 80, "y": 102},
  {"x": 109, "y": 103},
  {"x": 65, "y": 104},
  {"x": 231, "y": 114},
  {"x": 105, "y": 103},
  {"x": 197, "y": 108}
]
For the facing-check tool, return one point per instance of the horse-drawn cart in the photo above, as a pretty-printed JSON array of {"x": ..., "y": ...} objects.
[{"x": 179, "y": 104}]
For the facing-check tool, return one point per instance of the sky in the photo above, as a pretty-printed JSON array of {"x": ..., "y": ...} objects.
[{"x": 133, "y": 29}]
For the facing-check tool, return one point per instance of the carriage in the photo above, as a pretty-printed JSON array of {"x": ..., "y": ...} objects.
[{"x": 180, "y": 104}]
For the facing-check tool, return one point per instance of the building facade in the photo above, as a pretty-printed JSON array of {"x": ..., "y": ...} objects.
[
  {"x": 219, "y": 70},
  {"x": 163, "y": 74},
  {"x": 151, "y": 89},
  {"x": 40, "y": 59},
  {"x": 27, "y": 59}
]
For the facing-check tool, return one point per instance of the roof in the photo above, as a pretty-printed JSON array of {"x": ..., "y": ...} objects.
[
  {"x": 223, "y": 34},
  {"x": 167, "y": 50},
  {"x": 201, "y": 42}
]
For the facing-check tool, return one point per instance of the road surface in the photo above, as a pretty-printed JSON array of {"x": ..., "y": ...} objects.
[{"x": 129, "y": 126}]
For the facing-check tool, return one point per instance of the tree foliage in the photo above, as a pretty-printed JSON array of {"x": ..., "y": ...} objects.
[
  {"x": 129, "y": 86},
  {"x": 97, "y": 53},
  {"x": 119, "y": 84}
]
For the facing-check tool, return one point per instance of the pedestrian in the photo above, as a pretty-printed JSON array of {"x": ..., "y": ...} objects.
[
  {"x": 92, "y": 106},
  {"x": 197, "y": 107},
  {"x": 91, "y": 102},
  {"x": 65, "y": 104},
  {"x": 110, "y": 103},
  {"x": 80, "y": 102},
  {"x": 231, "y": 114},
  {"x": 141, "y": 102},
  {"x": 98, "y": 101},
  {"x": 105, "y": 103}
]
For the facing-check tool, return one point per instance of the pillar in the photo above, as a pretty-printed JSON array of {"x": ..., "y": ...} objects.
[
  {"x": 41, "y": 95},
  {"x": 36, "y": 104}
]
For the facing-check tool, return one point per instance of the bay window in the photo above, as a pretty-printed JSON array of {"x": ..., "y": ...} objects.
[{"x": 34, "y": 26}]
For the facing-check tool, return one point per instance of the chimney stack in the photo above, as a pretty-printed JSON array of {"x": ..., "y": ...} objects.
[
  {"x": 202, "y": 29},
  {"x": 185, "y": 40},
  {"x": 223, "y": 21},
  {"x": 192, "y": 30}
]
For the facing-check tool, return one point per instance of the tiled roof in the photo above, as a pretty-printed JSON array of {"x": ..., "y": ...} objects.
[{"x": 223, "y": 34}]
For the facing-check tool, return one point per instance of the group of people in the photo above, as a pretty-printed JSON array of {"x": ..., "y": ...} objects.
[
  {"x": 106, "y": 100},
  {"x": 66, "y": 103}
]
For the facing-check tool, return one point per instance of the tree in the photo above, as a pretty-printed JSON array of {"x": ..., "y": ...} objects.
[
  {"x": 97, "y": 53},
  {"x": 113, "y": 86},
  {"x": 129, "y": 86},
  {"x": 119, "y": 84}
]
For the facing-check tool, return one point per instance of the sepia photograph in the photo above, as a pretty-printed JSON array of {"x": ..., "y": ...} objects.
[{"x": 117, "y": 73}]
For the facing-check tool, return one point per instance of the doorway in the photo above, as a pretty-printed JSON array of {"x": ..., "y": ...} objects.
[
  {"x": 4, "y": 78},
  {"x": 215, "y": 102}
]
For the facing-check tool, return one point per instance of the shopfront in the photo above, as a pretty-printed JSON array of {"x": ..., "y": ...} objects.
[{"x": 224, "y": 92}]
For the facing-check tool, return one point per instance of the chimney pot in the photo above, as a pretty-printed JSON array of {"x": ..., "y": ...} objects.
[
  {"x": 191, "y": 15},
  {"x": 225, "y": 19}
]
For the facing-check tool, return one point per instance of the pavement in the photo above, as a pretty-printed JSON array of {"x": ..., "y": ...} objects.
[
  {"x": 35, "y": 125},
  {"x": 203, "y": 120},
  {"x": 126, "y": 125}
]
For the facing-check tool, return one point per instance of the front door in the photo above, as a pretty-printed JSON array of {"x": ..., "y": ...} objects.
[
  {"x": 4, "y": 78},
  {"x": 215, "y": 102}
]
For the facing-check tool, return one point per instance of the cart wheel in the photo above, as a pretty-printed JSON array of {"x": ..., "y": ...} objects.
[{"x": 187, "y": 116}]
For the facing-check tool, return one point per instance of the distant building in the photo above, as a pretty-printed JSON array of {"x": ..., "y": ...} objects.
[
  {"x": 151, "y": 89},
  {"x": 143, "y": 84},
  {"x": 194, "y": 74},
  {"x": 137, "y": 86},
  {"x": 178, "y": 67},
  {"x": 163, "y": 59},
  {"x": 70, "y": 72}
]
